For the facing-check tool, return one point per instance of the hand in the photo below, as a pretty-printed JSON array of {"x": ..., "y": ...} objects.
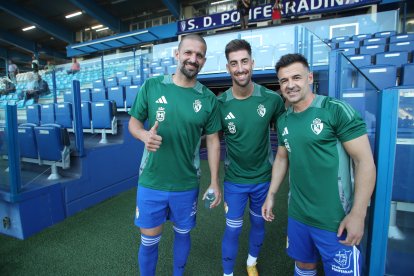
[
  {"x": 217, "y": 194},
  {"x": 354, "y": 226},
  {"x": 267, "y": 212},
  {"x": 153, "y": 141}
]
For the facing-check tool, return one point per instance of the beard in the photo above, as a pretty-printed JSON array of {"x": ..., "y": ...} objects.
[{"x": 190, "y": 74}]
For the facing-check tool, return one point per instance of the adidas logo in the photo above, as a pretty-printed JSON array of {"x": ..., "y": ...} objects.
[
  {"x": 285, "y": 131},
  {"x": 230, "y": 116},
  {"x": 162, "y": 100}
]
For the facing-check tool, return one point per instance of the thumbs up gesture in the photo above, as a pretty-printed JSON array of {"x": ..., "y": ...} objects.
[{"x": 153, "y": 141}]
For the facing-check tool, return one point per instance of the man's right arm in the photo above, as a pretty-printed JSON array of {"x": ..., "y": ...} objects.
[{"x": 279, "y": 169}]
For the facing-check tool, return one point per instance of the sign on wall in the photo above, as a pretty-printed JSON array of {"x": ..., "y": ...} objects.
[{"x": 264, "y": 12}]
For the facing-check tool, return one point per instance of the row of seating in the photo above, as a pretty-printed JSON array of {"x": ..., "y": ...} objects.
[
  {"x": 96, "y": 116},
  {"x": 48, "y": 144},
  {"x": 123, "y": 96}
]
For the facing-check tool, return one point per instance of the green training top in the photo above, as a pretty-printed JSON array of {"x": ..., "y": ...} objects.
[
  {"x": 320, "y": 171},
  {"x": 184, "y": 114},
  {"x": 246, "y": 127}
]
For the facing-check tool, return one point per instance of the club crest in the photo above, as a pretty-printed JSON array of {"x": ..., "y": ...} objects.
[
  {"x": 343, "y": 259},
  {"x": 160, "y": 114},
  {"x": 232, "y": 127},
  {"x": 197, "y": 105},
  {"x": 261, "y": 110},
  {"x": 317, "y": 126}
]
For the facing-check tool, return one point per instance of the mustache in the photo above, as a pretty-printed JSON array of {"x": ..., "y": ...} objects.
[{"x": 192, "y": 63}]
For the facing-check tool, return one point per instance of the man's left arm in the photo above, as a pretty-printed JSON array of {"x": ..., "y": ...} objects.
[
  {"x": 213, "y": 155},
  {"x": 360, "y": 151}
]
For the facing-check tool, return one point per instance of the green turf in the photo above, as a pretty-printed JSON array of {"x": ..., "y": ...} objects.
[{"x": 103, "y": 240}]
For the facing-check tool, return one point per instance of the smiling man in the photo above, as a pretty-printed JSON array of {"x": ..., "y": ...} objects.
[
  {"x": 324, "y": 144},
  {"x": 180, "y": 110},
  {"x": 246, "y": 110}
]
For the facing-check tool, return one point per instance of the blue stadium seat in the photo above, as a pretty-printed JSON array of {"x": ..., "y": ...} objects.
[
  {"x": 86, "y": 94},
  {"x": 361, "y": 37},
  {"x": 53, "y": 145},
  {"x": 4, "y": 149},
  {"x": 132, "y": 72},
  {"x": 99, "y": 94},
  {"x": 360, "y": 60},
  {"x": 157, "y": 70},
  {"x": 27, "y": 141},
  {"x": 348, "y": 51},
  {"x": 117, "y": 94},
  {"x": 47, "y": 114},
  {"x": 167, "y": 61},
  {"x": 102, "y": 114},
  {"x": 64, "y": 115},
  {"x": 111, "y": 82},
  {"x": 401, "y": 46},
  {"x": 125, "y": 80},
  {"x": 385, "y": 34},
  {"x": 392, "y": 58},
  {"x": 86, "y": 114},
  {"x": 33, "y": 114},
  {"x": 372, "y": 49},
  {"x": 374, "y": 41},
  {"x": 348, "y": 44},
  {"x": 401, "y": 38},
  {"x": 131, "y": 92},
  {"x": 171, "y": 69},
  {"x": 407, "y": 74},
  {"x": 99, "y": 83},
  {"x": 137, "y": 80},
  {"x": 67, "y": 96},
  {"x": 383, "y": 76}
]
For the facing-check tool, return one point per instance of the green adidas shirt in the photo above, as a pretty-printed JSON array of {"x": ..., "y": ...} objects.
[
  {"x": 246, "y": 127},
  {"x": 320, "y": 171},
  {"x": 184, "y": 115}
]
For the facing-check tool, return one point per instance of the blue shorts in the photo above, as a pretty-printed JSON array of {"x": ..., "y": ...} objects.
[
  {"x": 236, "y": 196},
  {"x": 154, "y": 207},
  {"x": 306, "y": 244}
]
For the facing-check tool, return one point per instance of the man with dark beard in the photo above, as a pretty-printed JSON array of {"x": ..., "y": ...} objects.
[
  {"x": 180, "y": 110},
  {"x": 246, "y": 112}
]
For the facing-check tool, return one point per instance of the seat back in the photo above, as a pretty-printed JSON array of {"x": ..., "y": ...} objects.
[
  {"x": 47, "y": 114},
  {"x": 33, "y": 114},
  {"x": 131, "y": 92},
  {"x": 102, "y": 114},
  {"x": 64, "y": 115},
  {"x": 27, "y": 141},
  {"x": 117, "y": 94},
  {"x": 383, "y": 76},
  {"x": 86, "y": 114},
  {"x": 51, "y": 140}
]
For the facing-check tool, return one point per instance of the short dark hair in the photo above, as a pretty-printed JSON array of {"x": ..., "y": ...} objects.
[
  {"x": 288, "y": 59},
  {"x": 237, "y": 45},
  {"x": 194, "y": 37}
]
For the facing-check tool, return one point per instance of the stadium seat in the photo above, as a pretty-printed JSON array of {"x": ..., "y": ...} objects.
[
  {"x": 99, "y": 94},
  {"x": 374, "y": 41},
  {"x": 383, "y": 76},
  {"x": 27, "y": 141},
  {"x": 407, "y": 46},
  {"x": 348, "y": 51},
  {"x": 117, "y": 94},
  {"x": 137, "y": 80},
  {"x": 372, "y": 49},
  {"x": 361, "y": 37},
  {"x": 407, "y": 74},
  {"x": 102, "y": 114},
  {"x": 64, "y": 115},
  {"x": 47, "y": 114},
  {"x": 33, "y": 114},
  {"x": 171, "y": 69},
  {"x": 99, "y": 83},
  {"x": 131, "y": 92},
  {"x": 348, "y": 44},
  {"x": 125, "y": 80},
  {"x": 385, "y": 34},
  {"x": 67, "y": 96},
  {"x": 401, "y": 38},
  {"x": 392, "y": 58},
  {"x": 53, "y": 146},
  {"x": 4, "y": 151},
  {"x": 86, "y": 114},
  {"x": 111, "y": 82},
  {"x": 360, "y": 60},
  {"x": 86, "y": 94},
  {"x": 120, "y": 74}
]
